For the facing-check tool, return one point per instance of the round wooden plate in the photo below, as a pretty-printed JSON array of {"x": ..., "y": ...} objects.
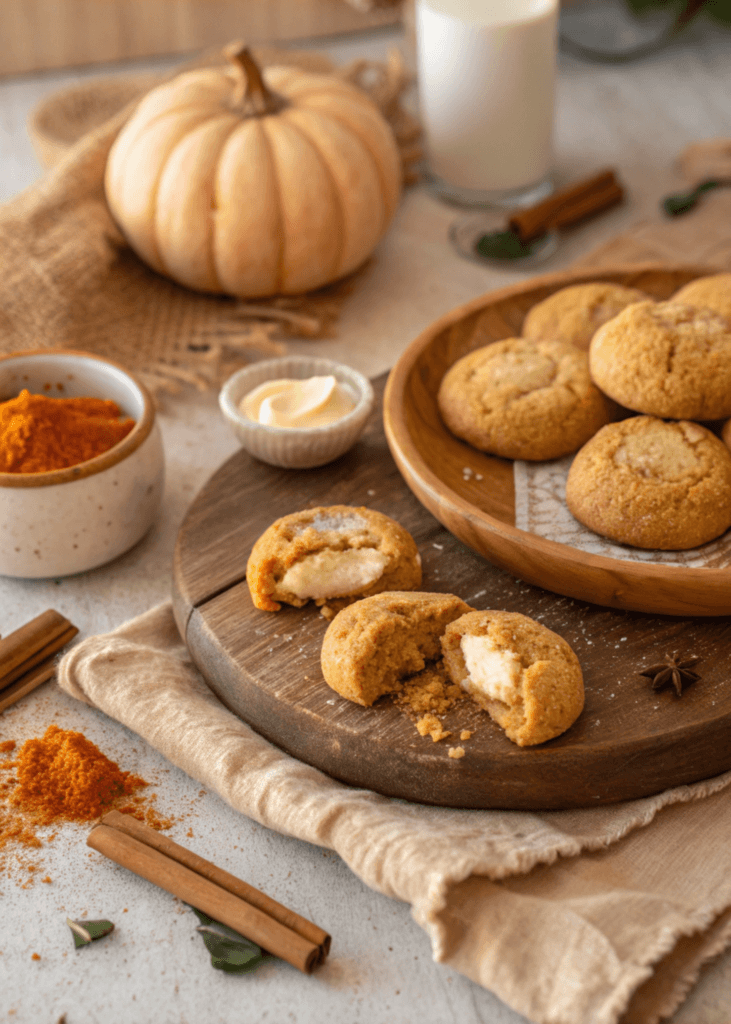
[
  {"x": 628, "y": 742},
  {"x": 482, "y": 512}
]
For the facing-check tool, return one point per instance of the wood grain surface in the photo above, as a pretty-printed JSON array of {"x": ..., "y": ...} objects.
[
  {"x": 265, "y": 667},
  {"x": 481, "y": 512},
  {"x": 40, "y": 34}
]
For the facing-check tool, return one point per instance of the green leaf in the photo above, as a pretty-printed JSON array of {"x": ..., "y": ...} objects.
[
  {"x": 86, "y": 931},
  {"x": 505, "y": 245},
  {"x": 230, "y": 951},
  {"x": 682, "y": 202}
]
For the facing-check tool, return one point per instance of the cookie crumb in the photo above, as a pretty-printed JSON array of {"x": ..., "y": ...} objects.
[
  {"x": 327, "y": 612},
  {"x": 429, "y": 725},
  {"x": 466, "y": 734},
  {"x": 455, "y": 752}
]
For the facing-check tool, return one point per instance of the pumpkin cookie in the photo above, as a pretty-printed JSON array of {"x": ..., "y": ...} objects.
[
  {"x": 712, "y": 292},
  {"x": 652, "y": 484},
  {"x": 373, "y": 645},
  {"x": 330, "y": 555},
  {"x": 527, "y": 678},
  {"x": 523, "y": 399},
  {"x": 665, "y": 359},
  {"x": 575, "y": 313}
]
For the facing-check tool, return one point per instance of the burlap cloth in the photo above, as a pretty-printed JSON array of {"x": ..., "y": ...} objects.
[{"x": 571, "y": 917}]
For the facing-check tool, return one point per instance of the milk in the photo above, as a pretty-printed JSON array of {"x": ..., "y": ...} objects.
[{"x": 487, "y": 73}]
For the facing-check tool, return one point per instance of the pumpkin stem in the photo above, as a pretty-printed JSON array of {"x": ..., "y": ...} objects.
[{"x": 252, "y": 97}]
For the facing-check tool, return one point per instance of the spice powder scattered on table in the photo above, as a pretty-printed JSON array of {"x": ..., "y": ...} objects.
[{"x": 61, "y": 776}]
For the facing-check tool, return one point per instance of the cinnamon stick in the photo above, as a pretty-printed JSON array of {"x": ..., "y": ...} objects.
[
  {"x": 27, "y": 683},
  {"x": 41, "y": 655},
  {"x": 138, "y": 830},
  {"x": 200, "y": 892},
  {"x": 18, "y": 648},
  {"x": 27, "y": 655},
  {"x": 568, "y": 206}
]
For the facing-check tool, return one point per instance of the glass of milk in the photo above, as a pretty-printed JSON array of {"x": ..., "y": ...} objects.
[{"x": 487, "y": 71}]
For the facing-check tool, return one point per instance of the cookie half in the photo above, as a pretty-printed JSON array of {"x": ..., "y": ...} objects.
[
  {"x": 523, "y": 399},
  {"x": 652, "y": 484},
  {"x": 665, "y": 359},
  {"x": 331, "y": 555},
  {"x": 576, "y": 313},
  {"x": 525, "y": 676},
  {"x": 374, "y": 644},
  {"x": 713, "y": 292}
]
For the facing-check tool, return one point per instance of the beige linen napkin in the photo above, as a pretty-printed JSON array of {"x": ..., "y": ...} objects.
[{"x": 572, "y": 917}]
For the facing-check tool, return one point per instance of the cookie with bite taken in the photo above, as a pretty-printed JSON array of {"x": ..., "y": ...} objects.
[
  {"x": 331, "y": 555},
  {"x": 525, "y": 676},
  {"x": 371, "y": 646}
]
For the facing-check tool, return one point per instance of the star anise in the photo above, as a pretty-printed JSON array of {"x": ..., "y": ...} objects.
[{"x": 671, "y": 670}]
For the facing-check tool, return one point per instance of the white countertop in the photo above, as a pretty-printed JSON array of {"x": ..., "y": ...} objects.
[{"x": 154, "y": 967}]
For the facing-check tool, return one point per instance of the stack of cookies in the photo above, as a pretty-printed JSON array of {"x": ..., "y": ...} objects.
[{"x": 639, "y": 388}]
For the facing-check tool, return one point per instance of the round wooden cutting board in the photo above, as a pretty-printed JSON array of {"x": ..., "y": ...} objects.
[{"x": 628, "y": 742}]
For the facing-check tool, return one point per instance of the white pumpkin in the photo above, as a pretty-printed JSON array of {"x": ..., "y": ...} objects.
[{"x": 229, "y": 181}]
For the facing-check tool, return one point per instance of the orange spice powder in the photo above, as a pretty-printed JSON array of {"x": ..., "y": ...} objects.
[
  {"x": 39, "y": 433},
  {"x": 62, "y": 776}
]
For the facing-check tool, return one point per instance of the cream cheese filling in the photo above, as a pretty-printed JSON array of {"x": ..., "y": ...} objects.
[
  {"x": 330, "y": 573},
  {"x": 493, "y": 671}
]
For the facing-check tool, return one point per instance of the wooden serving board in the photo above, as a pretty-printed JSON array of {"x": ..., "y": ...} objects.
[{"x": 628, "y": 742}]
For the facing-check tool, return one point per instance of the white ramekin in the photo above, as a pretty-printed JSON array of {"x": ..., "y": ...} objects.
[
  {"x": 296, "y": 448},
  {"x": 70, "y": 520}
]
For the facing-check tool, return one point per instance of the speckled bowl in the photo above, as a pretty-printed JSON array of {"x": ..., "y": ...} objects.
[
  {"x": 296, "y": 448},
  {"x": 70, "y": 520}
]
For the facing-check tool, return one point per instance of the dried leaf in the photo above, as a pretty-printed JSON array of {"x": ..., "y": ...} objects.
[
  {"x": 229, "y": 951},
  {"x": 86, "y": 932}
]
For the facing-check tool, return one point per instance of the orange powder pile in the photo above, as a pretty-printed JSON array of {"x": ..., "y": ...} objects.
[
  {"x": 38, "y": 433},
  {"x": 62, "y": 776}
]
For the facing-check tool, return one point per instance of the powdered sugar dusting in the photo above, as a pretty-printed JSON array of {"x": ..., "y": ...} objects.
[{"x": 339, "y": 524}]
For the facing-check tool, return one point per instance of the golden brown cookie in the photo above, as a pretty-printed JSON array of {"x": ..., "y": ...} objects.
[
  {"x": 523, "y": 399},
  {"x": 665, "y": 359},
  {"x": 331, "y": 555},
  {"x": 374, "y": 644},
  {"x": 712, "y": 292},
  {"x": 526, "y": 677},
  {"x": 575, "y": 313},
  {"x": 652, "y": 484}
]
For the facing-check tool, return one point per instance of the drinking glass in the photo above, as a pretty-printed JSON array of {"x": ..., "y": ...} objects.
[{"x": 487, "y": 71}]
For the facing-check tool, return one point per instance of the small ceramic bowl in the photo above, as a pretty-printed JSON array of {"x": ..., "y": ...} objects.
[
  {"x": 295, "y": 447},
  {"x": 70, "y": 520}
]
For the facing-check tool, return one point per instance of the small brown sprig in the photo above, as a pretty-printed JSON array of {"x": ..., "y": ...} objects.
[{"x": 672, "y": 670}]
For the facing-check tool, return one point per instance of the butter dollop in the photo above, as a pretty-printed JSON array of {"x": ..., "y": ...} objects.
[{"x": 313, "y": 402}]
